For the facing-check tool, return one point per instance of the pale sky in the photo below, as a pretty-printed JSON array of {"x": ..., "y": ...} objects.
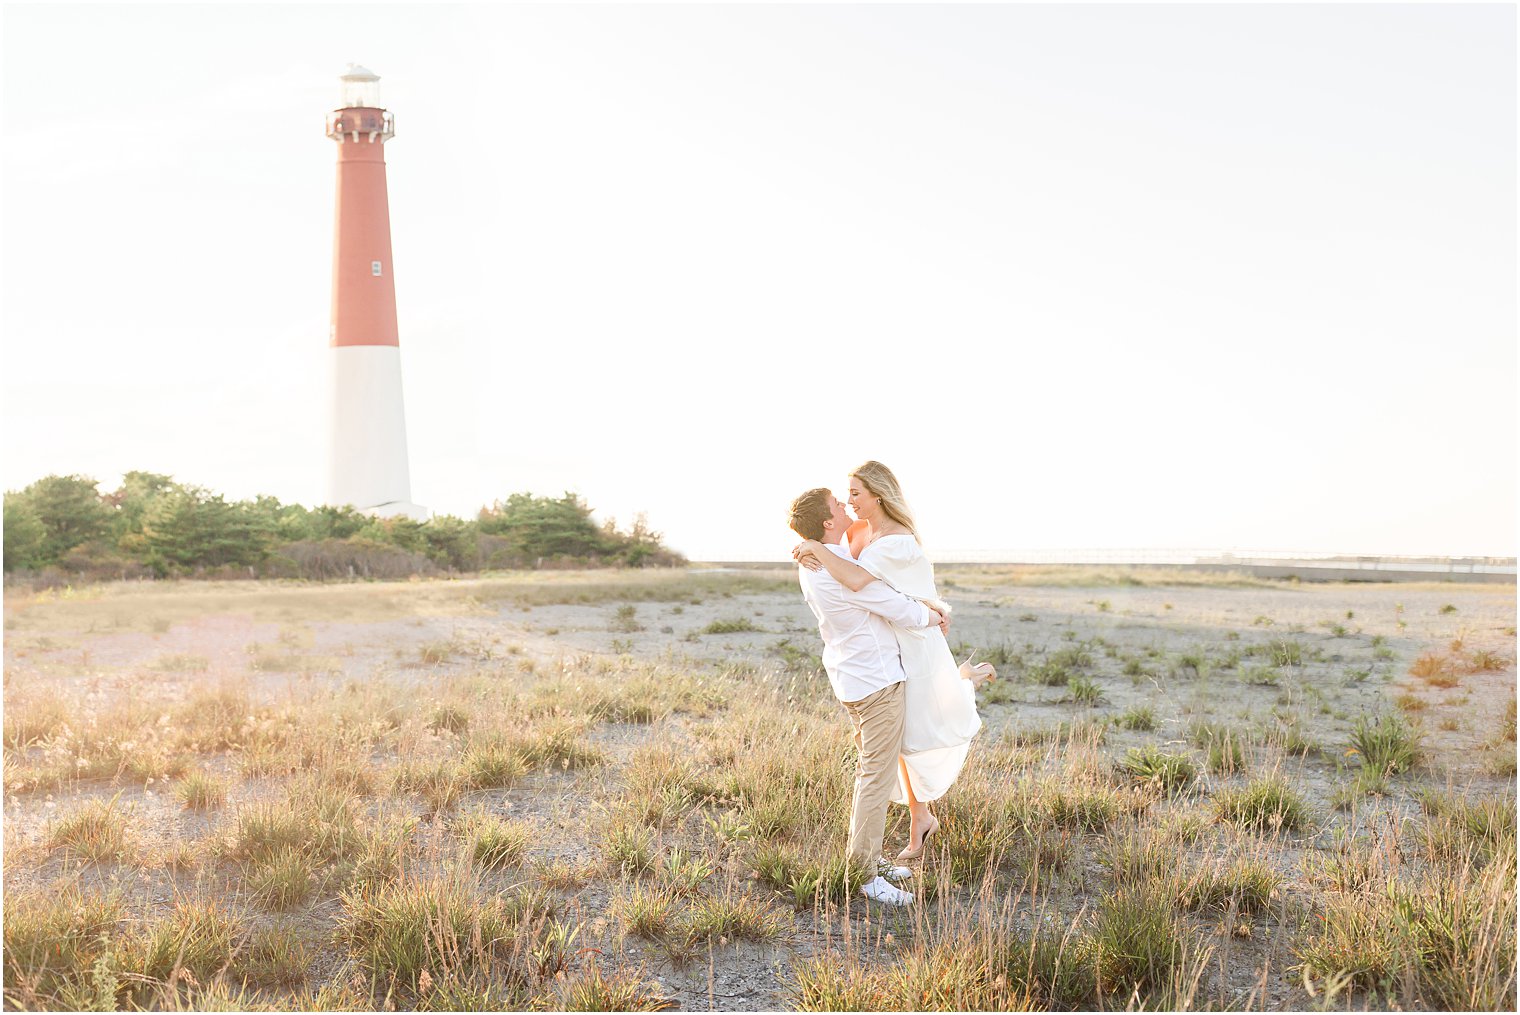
[{"x": 1084, "y": 276}]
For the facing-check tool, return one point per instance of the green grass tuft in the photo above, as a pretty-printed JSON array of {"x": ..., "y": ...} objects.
[
  {"x": 281, "y": 880},
  {"x": 52, "y": 941},
  {"x": 448, "y": 931},
  {"x": 493, "y": 763},
  {"x": 1150, "y": 765},
  {"x": 735, "y": 917},
  {"x": 495, "y": 843},
  {"x": 1246, "y": 886},
  {"x": 96, "y": 832},
  {"x": 201, "y": 792},
  {"x": 1083, "y": 691},
  {"x": 730, "y": 625},
  {"x": 592, "y": 990},
  {"x": 1388, "y": 744},
  {"x": 1266, "y": 804},
  {"x": 645, "y": 911},
  {"x": 628, "y": 848},
  {"x": 1461, "y": 831},
  {"x": 1142, "y": 943},
  {"x": 191, "y": 946},
  {"x": 1141, "y": 718},
  {"x": 1223, "y": 748}
]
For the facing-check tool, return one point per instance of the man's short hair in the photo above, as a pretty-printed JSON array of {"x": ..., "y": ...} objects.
[{"x": 810, "y": 511}]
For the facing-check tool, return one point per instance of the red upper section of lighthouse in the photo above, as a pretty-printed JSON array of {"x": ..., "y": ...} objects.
[{"x": 364, "y": 289}]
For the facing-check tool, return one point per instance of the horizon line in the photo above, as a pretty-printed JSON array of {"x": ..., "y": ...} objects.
[{"x": 1461, "y": 563}]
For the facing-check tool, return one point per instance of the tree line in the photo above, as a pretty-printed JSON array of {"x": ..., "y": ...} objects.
[{"x": 153, "y": 526}]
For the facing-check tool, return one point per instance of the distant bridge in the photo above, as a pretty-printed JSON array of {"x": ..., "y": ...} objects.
[
  {"x": 1235, "y": 558},
  {"x": 1309, "y": 566}
]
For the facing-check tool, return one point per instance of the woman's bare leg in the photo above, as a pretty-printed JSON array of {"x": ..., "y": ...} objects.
[{"x": 920, "y": 820}]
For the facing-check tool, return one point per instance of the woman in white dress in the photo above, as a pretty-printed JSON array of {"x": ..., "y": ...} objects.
[{"x": 940, "y": 698}]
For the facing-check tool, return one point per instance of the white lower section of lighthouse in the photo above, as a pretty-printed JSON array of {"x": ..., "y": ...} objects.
[{"x": 368, "y": 468}]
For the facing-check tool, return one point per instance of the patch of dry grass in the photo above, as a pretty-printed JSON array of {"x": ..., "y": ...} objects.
[
  {"x": 96, "y": 832},
  {"x": 160, "y": 605},
  {"x": 420, "y": 937},
  {"x": 185, "y": 662},
  {"x": 32, "y": 718},
  {"x": 490, "y": 834},
  {"x": 1445, "y": 668},
  {"x": 53, "y": 939},
  {"x": 1445, "y": 939}
]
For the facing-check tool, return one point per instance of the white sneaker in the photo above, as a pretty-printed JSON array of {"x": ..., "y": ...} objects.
[
  {"x": 883, "y": 891},
  {"x": 892, "y": 872}
]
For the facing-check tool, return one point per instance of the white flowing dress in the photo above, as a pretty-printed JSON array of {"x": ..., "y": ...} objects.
[{"x": 941, "y": 704}]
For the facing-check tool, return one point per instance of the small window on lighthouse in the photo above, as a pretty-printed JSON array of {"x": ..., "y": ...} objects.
[{"x": 374, "y": 268}]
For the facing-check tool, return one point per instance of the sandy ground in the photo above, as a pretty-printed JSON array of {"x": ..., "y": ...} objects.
[{"x": 1345, "y": 675}]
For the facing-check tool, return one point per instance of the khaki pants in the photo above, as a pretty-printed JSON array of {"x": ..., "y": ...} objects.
[{"x": 878, "y": 719}]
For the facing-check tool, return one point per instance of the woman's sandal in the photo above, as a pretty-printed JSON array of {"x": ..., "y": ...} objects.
[
  {"x": 914, "y": 854},
  {"x": 979, "y": 674}
]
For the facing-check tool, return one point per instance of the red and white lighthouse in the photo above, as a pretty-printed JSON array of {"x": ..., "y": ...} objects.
[{"x": 369, "y": 463}]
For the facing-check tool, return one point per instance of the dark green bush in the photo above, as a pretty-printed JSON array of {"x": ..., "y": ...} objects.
[{"x": 64, "y": 528}]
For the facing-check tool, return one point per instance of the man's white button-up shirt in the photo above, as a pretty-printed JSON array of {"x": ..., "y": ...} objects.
[{"x": 859, "y": 649}]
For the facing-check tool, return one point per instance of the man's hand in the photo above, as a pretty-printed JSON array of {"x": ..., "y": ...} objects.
[{"x": 939, "y": 620}]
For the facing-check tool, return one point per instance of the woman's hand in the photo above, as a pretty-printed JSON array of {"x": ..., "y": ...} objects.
[
  {"x": 806, "y": 553},
  {"x": 805, "y": 547}
]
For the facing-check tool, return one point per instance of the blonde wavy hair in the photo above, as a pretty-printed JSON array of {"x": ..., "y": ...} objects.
[{"x": 882, "y": 484}]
